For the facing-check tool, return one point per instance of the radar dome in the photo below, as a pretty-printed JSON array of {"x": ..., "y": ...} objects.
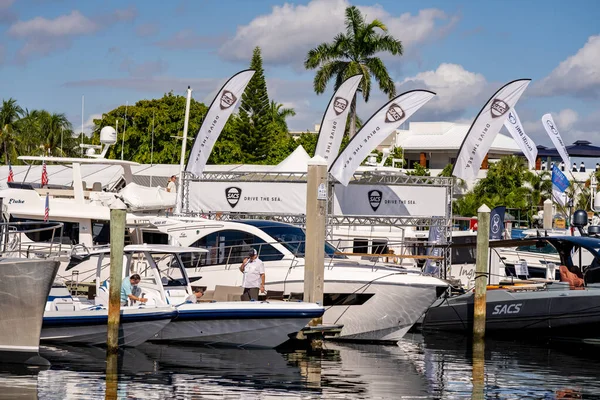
[{"x": 108, "y": 135}]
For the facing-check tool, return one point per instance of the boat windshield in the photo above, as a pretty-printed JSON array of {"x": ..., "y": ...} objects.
[
  {"x": 547, "y": 248},
  {"x": 294, "y": 239}
]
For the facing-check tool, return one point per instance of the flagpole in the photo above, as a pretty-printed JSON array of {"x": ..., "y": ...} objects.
[{"x": 82, "y": 103}]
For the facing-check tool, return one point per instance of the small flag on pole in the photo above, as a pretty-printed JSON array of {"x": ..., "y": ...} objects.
[
  {"x": 47, "y": 209},
  {"x": 44, "y": 174},
  {"x": 11, "y": 175}
]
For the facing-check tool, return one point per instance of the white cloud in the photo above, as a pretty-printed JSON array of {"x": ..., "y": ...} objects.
[
  {"x": 64, "y": 25},
  {"x": 289, "y": 31},
  {"x": 43, "y": 36},
  {"x": 578, "y": 75},
  {"x": 571, "y": 125},
  {"x": 566, "y": 118},
  {"x": 6, "y": 14},
  {"x": 456, "y": 90}
]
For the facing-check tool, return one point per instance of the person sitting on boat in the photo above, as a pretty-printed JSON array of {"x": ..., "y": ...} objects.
[
  {"x": 254, "y": 276},
  {"x": 194, "y": 297},
  {"x": 128, "y": 287}
]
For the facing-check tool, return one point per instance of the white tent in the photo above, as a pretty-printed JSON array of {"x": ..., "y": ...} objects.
[{"x": 295, "y": 162}]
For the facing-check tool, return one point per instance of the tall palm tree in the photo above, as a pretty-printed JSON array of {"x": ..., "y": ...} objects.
[
  {"x": 9, "y": 115},
  {"x": 353, "y": 53},
  {"x": 279, "y": 114},
  {"x": 55, "y": 125}
]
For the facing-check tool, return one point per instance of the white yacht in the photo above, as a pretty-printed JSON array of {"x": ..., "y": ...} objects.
[
  {"x": 231, "y": 323},
  {"x": 373, "y": 301}
]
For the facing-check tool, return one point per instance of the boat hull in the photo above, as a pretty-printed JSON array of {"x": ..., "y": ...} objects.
[
  {"x": 24, "y": 288},
  {"x": 558, "y": 313},
  {"x": 89, "y": 327},
  {"x": 240, "y": 324}
]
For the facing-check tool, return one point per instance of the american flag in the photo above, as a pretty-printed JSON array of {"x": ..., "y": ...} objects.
[
  {"x": 44, "y": 174},
  {"x": 11, "y": 176},
  {"x": 47, "y": 209}
]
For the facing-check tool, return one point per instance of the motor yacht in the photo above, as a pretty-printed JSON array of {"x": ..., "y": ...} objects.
[{"x": 373, "y": 301}]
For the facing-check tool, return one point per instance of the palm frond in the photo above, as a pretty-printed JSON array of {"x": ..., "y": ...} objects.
[{"x": 379, "y": 71}]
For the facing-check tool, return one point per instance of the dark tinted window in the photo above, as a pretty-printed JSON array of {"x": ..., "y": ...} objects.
[
  {"x": 360, "y": 246},
  {"x": 232, "y": 246}
]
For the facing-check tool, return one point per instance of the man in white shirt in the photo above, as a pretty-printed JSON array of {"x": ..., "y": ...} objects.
[
  {"x": 254, "y": 276},
  {"x": 171, "y": 185}
]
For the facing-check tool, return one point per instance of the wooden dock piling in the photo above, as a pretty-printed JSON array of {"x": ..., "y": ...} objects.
[
  {"x": 481, "y": 269},
  {"x": 316, "y": 215},
  {"x": 117, "y": 244}
]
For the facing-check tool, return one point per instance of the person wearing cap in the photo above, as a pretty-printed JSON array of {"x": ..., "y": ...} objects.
[{"x": 254, "y": 276}]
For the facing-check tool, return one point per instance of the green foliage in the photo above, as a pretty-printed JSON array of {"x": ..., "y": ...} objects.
[
  {"x": 36, "y": 132},
  {"x": 418, "y": 170},
  {"x": 353, "y": 53},
  {"x": 508, "y": 183}
]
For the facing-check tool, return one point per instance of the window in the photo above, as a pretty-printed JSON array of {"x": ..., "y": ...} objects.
[
  {"x": 100, "y": 232},
  {"x": 232, "y": 246},
  {"x": 70, "y": 232},
  {"x": 155, "y": 237},
  {"x": 360, "y": 246},
  {"x": 380, "y": 247}
]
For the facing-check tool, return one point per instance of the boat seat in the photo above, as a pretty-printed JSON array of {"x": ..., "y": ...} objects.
[
  {"x": 222, "y": 293},
  {"x": 97, "y": 187},
  {"x": 102, "y": 294},
  {"x": 63, "y": 304},
  {"x": 571, "y": 278},
  {"x": 274, "y": 295},
  {"x": 208, "y": 295}
]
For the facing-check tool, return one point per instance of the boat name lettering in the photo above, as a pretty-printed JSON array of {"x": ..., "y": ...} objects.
[
  {"x": 16, "y": 201},
  {"x": 507, "y": 309}
]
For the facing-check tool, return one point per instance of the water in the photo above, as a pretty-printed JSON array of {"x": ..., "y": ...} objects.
[{"x": 437, "y": 367}]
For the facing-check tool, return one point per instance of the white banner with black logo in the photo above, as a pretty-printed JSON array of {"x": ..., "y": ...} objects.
[
  {"x": 334, "y": 120},
  {"x": 515, "y": 128},
  {"x": 218, "y": 113},
  {"x": 552, "y": 130},
  {"x": 361, "y": 199},
  {"x": 375, "y": 130},
  {"x": 485, "y": 127},
  {"x": 257, "y": 197}
]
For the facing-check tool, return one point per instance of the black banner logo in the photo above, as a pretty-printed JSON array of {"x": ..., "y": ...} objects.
[
  {"x": 233, "y": 195},
  {"x": 375, "y": 199}
]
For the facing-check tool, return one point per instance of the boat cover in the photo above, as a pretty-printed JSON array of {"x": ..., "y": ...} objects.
[{"x": 139, "y": 197}]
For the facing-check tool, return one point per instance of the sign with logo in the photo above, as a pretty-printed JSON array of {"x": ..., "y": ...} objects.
[
  {"x": 232, "y": 195},
  {"x": 334, "y": 120},
  {"x": 218, "y": 113},
  {"x": 389, "y": 200},
  {"x": 258, "y": 197},
  {"x": 375, "y": 199},
  {"x": 376, "y": 130},
  {"x": 394, "y": 113},
  {"x": 499, "y": 108},
  {"x": 515, "y": 128},
  {"x": 339, "y": 105},
  {"x": 227, "y": 99},
  {"x": 484, "y": 129},
  {"x": 552, "y": 131}
]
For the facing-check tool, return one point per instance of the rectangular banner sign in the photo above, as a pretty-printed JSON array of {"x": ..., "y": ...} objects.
[
  {"x": 258, "y": 197},
  {"x": 389, "y": 200}
]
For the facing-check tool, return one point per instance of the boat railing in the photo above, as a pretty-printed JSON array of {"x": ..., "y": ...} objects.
[
  {"x": 31, "y": 239},
  {"x": 231, "y": 256}
]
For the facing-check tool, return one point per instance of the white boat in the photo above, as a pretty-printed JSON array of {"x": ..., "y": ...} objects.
[
  {"x": 245, "y": 324},
  {"x": 68, "y": 320},
  {"x": 375, "y": 302},
  {"x": 26, "y": 276}
]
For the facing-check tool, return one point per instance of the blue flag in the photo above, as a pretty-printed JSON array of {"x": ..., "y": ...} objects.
[
  {"x": 559, "y": 179},
  {"x": 497, "y": 222}
]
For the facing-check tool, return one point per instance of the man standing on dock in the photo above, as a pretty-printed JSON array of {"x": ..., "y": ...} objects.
[{"x": 254, "y": 276}]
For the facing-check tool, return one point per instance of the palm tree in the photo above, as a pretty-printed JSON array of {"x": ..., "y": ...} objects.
[
  {"x": 353, "y": 53},
  {"x": 279, "y": 114},
  {"x": 55, "y": 125},
  {"x": 9, "y": 115}
]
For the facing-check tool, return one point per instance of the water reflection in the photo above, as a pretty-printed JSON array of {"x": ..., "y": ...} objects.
[{"x": 419, "y": 367}]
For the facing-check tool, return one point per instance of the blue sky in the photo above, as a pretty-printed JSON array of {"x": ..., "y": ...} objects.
[{"x": 54, "y": 51}]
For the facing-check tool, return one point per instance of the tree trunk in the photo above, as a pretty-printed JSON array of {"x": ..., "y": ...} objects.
[{"x": 353, "y": 117}]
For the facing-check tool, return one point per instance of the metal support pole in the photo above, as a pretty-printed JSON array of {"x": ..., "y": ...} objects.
[
  {"x": 179, "y": 203},
  {"x": 481, "y": 268},
  {"x": 117, "y": 244},
  {"x": 316, "y": 215}
]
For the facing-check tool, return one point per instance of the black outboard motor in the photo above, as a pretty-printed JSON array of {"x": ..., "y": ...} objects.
[
  {"x": 594, "y": 230},
  {"x": 580, "y": 219}
]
